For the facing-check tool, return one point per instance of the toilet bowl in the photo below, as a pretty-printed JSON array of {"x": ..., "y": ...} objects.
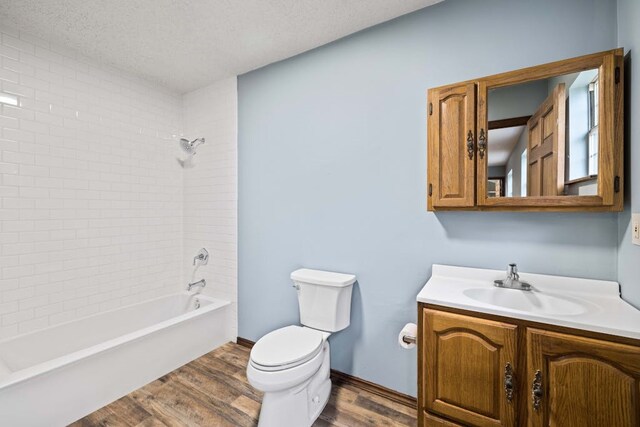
[
  {"x": 291, "y": 365},
  {"x": 294, "y": 378}
]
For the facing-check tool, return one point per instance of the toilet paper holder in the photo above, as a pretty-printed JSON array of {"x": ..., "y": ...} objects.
[
  {"x": 407, "y": 336},
  {"x": 409, "y": 339}
]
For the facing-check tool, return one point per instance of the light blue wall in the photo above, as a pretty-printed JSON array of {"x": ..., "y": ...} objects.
[
  {"x": 628, "y": 254},
  {"x": 516, "y": 101},
  {"x": 332, "y": 169}
]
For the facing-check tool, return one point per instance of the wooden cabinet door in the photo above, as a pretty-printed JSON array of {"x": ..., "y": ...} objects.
[
  {"x": 465, "y": 361},
  {"x": 582, "y": 382},
  {"x": 451, "y": 166},
  {"x": 546, "y": 148}
]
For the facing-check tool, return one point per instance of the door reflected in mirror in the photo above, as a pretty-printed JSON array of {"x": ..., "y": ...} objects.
[{"x": 543, "y": 137}]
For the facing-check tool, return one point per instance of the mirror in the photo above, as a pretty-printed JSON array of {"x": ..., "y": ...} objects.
[{"x": 543, "y": 137}]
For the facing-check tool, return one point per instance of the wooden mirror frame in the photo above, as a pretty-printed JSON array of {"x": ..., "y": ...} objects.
[{"x": 610, "y": 134}]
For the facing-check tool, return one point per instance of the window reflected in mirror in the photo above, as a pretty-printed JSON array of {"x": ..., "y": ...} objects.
[{"x": 543, "y": 137}]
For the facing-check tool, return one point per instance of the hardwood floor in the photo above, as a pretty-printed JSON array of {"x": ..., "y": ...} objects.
[{"x": 213, "y": 391}]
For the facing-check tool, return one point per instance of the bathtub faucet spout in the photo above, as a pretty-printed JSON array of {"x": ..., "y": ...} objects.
[{"x": 201, "y": 283}]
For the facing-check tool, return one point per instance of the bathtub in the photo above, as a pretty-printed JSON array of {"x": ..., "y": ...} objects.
[{"x": 57, "y": 375}]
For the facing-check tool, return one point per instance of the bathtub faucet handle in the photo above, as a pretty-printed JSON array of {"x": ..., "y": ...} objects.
[{"x": 202, "y": 257}]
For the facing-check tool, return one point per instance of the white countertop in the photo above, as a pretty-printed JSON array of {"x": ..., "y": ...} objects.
[{"x": 591, "y": 305}]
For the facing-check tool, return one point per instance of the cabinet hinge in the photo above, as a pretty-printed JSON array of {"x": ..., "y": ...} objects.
[
  {"x": 430, "y": 190},
  {"x": 617, "y": 75},
  {"x": 616, "y": 184},
  {"x": 430, "y": 108}
]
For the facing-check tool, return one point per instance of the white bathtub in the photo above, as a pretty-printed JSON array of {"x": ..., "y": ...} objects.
[{"x": 57, "y": 375}]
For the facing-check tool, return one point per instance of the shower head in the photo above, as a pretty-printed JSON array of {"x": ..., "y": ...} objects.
[{"x": 189, "y": 147}]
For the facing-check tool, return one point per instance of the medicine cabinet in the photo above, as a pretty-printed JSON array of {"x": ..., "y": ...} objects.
[{"x": 543, "y": 138}]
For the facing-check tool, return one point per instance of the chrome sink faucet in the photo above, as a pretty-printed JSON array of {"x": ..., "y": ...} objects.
[{"x": 512, "y": 281}]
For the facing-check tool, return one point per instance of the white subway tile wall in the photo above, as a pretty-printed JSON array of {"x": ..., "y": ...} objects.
[
  {"x": 91, "y": 194},
  {"x": 210, "y": 188}
]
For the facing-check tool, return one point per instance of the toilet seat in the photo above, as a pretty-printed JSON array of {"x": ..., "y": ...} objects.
[{"x": 286, "y": 348}]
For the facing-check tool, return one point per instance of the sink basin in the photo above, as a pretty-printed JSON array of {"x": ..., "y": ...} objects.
[{"x": 534, "y": 301}]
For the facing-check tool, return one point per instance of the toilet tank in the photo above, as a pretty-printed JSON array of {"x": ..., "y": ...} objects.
[{"x": 324, "y": 298}]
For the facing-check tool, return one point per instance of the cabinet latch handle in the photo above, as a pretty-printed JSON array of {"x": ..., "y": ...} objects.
[
  {"x": 536, "y": 390},
  {"x": 508, "y": 381},
  {"x": 482, "y": 143},
  {"x": 470, "y": 145}
]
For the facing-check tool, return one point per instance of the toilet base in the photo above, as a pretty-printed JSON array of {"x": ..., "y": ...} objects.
[{"x": 301, "y": 405}]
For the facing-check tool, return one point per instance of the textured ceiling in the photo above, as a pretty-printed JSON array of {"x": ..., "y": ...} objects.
[
  {"x": 186, "y": 44},
  {"x": 502, "y": 142}
]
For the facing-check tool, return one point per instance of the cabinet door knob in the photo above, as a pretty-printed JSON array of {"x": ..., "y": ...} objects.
[
  {"x": 470, "y": 145},
  {"x": 508, "y": 382},
  {"x": 536, "y": 390}
]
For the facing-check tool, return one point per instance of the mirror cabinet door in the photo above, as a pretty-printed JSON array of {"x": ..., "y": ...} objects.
[{"x": 452, "y": 162}]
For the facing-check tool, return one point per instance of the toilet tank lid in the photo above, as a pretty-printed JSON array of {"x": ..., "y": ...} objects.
[{"x": 326, "y": 278}]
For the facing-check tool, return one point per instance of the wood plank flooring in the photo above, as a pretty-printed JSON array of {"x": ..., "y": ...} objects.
[{"x": 213, "y": 391}]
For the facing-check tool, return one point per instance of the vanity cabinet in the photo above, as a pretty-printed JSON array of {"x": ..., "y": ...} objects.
[
  {"x": 548, "y": 137},
  {"x": 471, "y": 362},
  {"x": 582, "y": 381},
  {"x": 483, "y": 370}
]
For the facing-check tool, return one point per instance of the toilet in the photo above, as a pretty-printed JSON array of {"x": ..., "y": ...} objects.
[{"x": 291, "y": 365}]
